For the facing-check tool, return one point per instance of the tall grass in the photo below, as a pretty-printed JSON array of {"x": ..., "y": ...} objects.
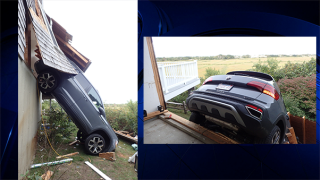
[{"x": 123, "y": 117}]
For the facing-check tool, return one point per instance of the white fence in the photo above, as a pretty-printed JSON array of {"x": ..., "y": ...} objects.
[{"x": 176, "y": 73}]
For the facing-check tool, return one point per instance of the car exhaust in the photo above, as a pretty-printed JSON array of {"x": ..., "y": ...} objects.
[
  {"x": 254, "y": 111},
  {"x": 222, "y": 123}
]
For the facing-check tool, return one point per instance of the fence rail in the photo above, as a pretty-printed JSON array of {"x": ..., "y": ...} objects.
[
  {"x": 173, "y": 74},
  {"x": 180, "y": 106},
  {"x": 305, "y": 129}
]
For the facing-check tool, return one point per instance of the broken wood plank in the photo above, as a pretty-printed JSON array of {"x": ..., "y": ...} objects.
[
  {"x": 217, "y": 137},
  {"x": 124, "y": 132},
  {"x": 292, "y": 138},
  {"x": 73, "y": 142},
  {"x": 47, "y": 175},
  {"x": 154, "y": 114},
  {"x": 127, "y": 137},
  {"x": 108, "y": 156},
  {"x": 71, "y": 154}
]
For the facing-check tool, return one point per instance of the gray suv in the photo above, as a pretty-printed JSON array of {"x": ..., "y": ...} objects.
[
  {"x": 82, "y": 102},
  {"x": 244, "y": 105}
]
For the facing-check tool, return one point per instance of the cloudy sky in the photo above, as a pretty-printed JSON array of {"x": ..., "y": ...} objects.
[
  {"x": 106, "y": 33},
  {"x": 211, "y": 46}
]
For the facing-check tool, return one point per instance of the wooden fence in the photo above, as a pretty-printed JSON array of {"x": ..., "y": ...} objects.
[
  {"x": 305, "y": 129},
  {"x": 180, "y": 106}
]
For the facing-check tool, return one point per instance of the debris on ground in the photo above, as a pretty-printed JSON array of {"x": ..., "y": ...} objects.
[
  {"x": 132, "y": 158},
  {"x": 124, "y": 132},
  {"x": 126, "y": 136},
  {"x": 135, "y": 147},
  {"x": 71, "y": 154},
  {"x": 167, "y": 116},
  {"x": 97, "y": 170},
  {"x": 47, "y": 175},
  {"x": 51, "y": 163},
  {"x": 73, "y": 142},
  {"x": 108, "y": 155}
]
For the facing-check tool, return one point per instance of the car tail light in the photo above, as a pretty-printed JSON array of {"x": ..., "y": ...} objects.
[
  {"x": 265, "y": 88},
  {"x": 254, "y": 111},
  {"x": 207, "y": 80}
]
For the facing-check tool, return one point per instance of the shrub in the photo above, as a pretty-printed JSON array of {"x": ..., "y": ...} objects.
[
  {"x": 290, "y": 70},
  {"x": 211, "y": 72},
  {"x": 123, "y": 117},
  {"x": 270, "y": 67},
  {"x": 303, "y": 90},
  {"x": 57, "y": 126}
]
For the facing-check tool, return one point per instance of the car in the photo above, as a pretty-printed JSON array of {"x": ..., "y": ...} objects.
[
  {"x": 82, "y": 102},
  {"x": 244, "y": 105}
]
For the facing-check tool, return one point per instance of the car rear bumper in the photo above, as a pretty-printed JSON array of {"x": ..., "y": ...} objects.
[{"x": 232, "y": 111}]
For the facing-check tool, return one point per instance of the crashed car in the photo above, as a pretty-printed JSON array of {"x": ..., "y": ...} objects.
[
  {"x": 82, "y": 102},
  {"x": 244, "y": 105}
]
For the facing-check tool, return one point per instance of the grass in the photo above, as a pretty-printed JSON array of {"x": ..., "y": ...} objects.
[
  {"x": 241, "y": 64},
  {"x": 119, "y": 169}
]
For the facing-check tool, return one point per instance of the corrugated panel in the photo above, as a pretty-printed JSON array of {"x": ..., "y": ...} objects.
[
  {"x": 21, "y": 28},
  {"x": 51, "y": 55},
  {"x": 31, "y": 3}
]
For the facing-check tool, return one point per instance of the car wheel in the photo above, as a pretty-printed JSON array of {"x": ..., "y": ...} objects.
[
  {"x": 94, "y": 144},
  {"x": 273, "y": 138},
  {"x": 47, "y": 81},
  {"x": 197, "y": 118},
  {"x": 81, "y": 136}
]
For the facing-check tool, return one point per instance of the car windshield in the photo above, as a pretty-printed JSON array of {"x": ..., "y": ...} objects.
[{"x": 95, "y": 97}]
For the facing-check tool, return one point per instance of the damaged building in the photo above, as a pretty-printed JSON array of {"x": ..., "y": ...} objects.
[{"x": 40, "y": 38}]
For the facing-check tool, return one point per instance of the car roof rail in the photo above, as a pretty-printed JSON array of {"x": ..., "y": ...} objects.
[{"x": 252, "y": 74}]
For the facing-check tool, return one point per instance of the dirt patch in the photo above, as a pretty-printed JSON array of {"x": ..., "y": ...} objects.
[{"x": 77, "y": 169}]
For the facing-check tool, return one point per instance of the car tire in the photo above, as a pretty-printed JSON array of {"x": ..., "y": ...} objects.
[
  {"x": 197, "y": 118},
  {"x": 273, "y": 138},
  {"x": 81, "y": 136},
  {"x": 47, "y": 81},
  {"x": 94, "y": 144}
]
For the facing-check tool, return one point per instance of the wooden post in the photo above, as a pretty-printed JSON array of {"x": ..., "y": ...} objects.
[
  {"x": 289, "y": 117},
  {"x": 184, "y": 107},
  {"x": 292, "y": 136},
  {"x": 156, "y": 72},
  {"x": 304, "y": 130}
]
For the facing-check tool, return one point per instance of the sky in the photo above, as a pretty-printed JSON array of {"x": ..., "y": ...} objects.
[
  {"x": 212, "y": 46},
  {"x": 106, "y": 33}
]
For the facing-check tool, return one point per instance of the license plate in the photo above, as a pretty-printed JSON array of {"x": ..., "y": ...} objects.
[{"x": 226, "y": 87}]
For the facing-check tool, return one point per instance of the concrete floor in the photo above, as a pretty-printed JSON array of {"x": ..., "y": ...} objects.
[{"x": 156, "y": 131}]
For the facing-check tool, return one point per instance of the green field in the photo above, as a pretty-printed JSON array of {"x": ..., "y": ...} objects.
[{"x": 241, "y": 64}]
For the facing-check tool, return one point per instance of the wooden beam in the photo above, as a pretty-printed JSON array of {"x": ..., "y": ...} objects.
[
  {"x": 127, "y": 137},
  {"x": 72, "y": 49},
  {"x": 156, "y": 72},
  {"x": 67, "y": 155},
  {"x": 154, "y": 114},
  {"x": 217, "y": 137},
  {"x": 27, "y": 50},
  {"x": 292, "y": 136},
  {"x": 304, "y": 130}
]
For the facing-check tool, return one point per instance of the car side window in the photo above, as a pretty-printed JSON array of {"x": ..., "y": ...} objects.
[{"x": 95, "y": 97}]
